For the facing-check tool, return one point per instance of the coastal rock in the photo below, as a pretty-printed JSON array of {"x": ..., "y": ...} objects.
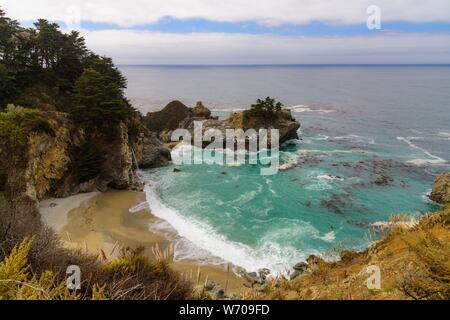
[
  {"x": 314, "y": 262},
  {"x": 178, "y": 116},
  {"x": 150, "y": 151},
  {"x": 47, "y": 164},
  {"x": 301, "y": 267},
  {"x": 294, "y": 275},
  {"x": 215, "y": 289},
  {"x": 201, "y": 111},
  {"x": 286, "y": 124},
  {"x": 441, "y": 189},
  {"x": 168, "y": 119}
]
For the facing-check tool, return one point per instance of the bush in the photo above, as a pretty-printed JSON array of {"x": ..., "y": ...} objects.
[
  {"x": 133, "y": 277},
  {"x": 265, "y": 109},
  {"x": 430, "y": 277},
  {"x": 18, "y": 123}
]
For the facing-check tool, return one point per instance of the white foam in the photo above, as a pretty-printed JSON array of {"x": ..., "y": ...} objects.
[
  {"x": 355, "y": 139},
  {"x": 203, "y": 239},
  {"x": 329, "y": 237},
  {"x": 328, "y": 177},
  {"x": 142, "y": 206},
  {"x": 445, "y": 135},
  {"x": 290, "y": 163},
  {"x": 303, "y": 108},
  {"x": 420, "y": 162},
  {"x": 321, "y": 137}
]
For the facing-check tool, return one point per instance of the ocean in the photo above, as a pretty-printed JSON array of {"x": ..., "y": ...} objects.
[{"x": 372, "y": 140}]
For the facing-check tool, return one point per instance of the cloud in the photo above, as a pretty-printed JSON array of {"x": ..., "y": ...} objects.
[
  {"x": 268, "y": 12},
  {"x": 144, "y": 47}
]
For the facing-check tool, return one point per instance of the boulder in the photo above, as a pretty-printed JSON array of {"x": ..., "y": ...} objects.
[
  {"x": 441, "y": 189},
  {"x": 168, "y": 119},
  {"x": 151, "y": 152},
  {"x": 215, "y": 289},
  {"x": 201, "y": 111},
  {"x": 301, "y": 267}
]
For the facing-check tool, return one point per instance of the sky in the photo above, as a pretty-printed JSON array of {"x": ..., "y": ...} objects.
[{"x": 216, "y": 32}]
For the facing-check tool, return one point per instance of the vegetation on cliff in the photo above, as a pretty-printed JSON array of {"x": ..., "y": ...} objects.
[{"x": 66, "y": 127}]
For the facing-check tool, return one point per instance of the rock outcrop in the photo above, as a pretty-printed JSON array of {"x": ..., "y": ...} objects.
[
  {"x": 167, "y": 119},
  {"x": 150, "y": 151},
  {"x": 46, "y": 164},
  {"x": 441, "y": 189},
  {"x": 176, "y": 115}
]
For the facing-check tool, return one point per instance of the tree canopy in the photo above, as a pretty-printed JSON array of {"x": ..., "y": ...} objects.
[{"x": 42, "y": 67}]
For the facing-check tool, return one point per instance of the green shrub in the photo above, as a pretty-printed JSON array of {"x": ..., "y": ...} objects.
[
  {"x": 265, "y": 109},
  {"x": 18, "y": 123}
]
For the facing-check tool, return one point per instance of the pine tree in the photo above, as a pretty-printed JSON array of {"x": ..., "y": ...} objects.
[{"x": 98, "y": 98}]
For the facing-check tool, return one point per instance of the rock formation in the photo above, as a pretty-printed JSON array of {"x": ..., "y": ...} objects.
[
  {"x": 176, "y": 115},
  {"x": 441, "y": 189}
]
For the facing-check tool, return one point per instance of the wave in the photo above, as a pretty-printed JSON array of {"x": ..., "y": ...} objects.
[
  {"x": 328, "y": 237},
  {"x": 142, "y": 206},
  {"x": 304, "y": 108},
  {"x": 200, "y": 242},
  {"x": 328, "y": 177},
  {"x": 227, "y": 110},
  {"x": 355, "y": 139},
  {"x": 444, "y": 135},
  {"x": 321, "y": 137},
  {"x": 435, "y": 160}
]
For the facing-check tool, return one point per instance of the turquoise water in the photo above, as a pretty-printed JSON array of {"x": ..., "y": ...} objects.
[{"x": 372, "y": 141}]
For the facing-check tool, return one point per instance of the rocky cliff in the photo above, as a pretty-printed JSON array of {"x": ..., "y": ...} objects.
[
  {"x": 441, "y": 189},
  {"x": 47, "y": 163}
]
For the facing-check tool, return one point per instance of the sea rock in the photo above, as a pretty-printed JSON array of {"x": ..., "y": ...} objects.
[
  {"x": 216, "y": 290},
  {"x": 201, "y": 111},
  {"x": 168, "y": 119},
  {"x": 441, "y": 189},
  {"x": 263, "y": 273},
  {"x": 294, "y": 275},
  {"x": 151, "y": 152},
  {"x": 301, "y": 267},
  {"x": 178, "y": 116}
]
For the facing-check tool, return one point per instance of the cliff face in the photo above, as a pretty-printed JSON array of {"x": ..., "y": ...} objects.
[
  {"x": 441, "y": 189},
  {"x": 46, "y": 164}
]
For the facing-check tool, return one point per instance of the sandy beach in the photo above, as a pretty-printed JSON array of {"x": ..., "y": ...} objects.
[{"x": 103, "y": 221}]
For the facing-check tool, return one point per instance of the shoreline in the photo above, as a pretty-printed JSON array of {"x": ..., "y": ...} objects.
[{"x": 101, "y": 223}]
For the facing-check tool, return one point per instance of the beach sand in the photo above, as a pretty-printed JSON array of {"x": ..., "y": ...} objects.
[{"x": 102, "y": 221}]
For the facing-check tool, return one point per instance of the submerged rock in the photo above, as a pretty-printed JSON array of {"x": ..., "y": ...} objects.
[{"x": 441, "y": 189}]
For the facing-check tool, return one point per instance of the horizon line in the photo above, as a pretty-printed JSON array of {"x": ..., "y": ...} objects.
[{"x": 294, "y": 65}]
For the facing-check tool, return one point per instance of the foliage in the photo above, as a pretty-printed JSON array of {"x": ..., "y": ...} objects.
[
  {"x": 43, "y": 64},
  {"x": 7, "y": 88},
  {"x": 88, "y": 162},
  {"x": 98, "y": 98},
  {"x": 265, "y": 109},
  {"x": 16, "y": 124},
  {"x": 133, "y": 277},
  {"x": 430, "y": 278},
  {"x": 16, "y": 283}
]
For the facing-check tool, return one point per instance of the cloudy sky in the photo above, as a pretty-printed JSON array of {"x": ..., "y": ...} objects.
[{"x": 251, "y": 31}]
